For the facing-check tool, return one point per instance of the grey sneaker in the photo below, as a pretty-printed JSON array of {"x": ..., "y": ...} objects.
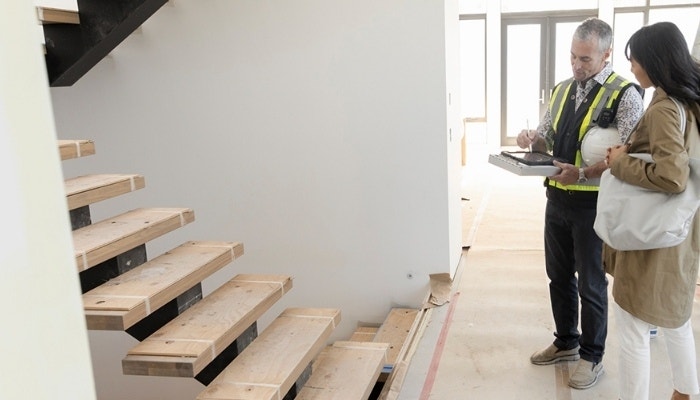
[
  {"x": 552, "y": 354},
  {"x": 585, "y": 375}
]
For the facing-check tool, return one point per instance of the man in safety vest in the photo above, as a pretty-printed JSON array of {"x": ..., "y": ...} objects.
[{"x": 594, "y": 96}]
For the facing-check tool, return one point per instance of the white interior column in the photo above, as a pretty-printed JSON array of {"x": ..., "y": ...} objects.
[{"x": 44, "y": 337}]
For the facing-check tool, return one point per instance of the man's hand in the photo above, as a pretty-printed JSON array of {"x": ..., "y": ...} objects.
[
  {"x": 526, "y": 138},
  {"x": 568, "y": 174}
]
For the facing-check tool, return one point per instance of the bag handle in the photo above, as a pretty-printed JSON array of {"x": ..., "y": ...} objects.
[{"x": 681, "y": 111}]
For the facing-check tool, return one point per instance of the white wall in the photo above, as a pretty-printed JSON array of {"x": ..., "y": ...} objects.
[
  {"x": 455, "y": 132},
  {"x": 43, "y": 337},
  {"x": 315, "y": 132}
]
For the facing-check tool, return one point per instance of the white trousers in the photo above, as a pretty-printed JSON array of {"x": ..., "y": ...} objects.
[{"x": 635, "y": 356}]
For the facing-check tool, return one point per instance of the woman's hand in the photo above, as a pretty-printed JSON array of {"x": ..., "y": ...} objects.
[{"x": 614, "y": 152}]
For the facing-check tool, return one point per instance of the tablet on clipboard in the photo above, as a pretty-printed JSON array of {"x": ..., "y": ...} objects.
[
  {"x": 525, "y": 163},
  {"x": 530, "y": 157}
]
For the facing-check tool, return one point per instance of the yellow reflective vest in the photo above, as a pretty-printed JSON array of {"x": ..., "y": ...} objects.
[{"x": 603, "y": 104}]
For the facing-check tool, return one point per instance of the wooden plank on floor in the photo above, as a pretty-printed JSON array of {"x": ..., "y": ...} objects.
[
  {"x": 188, "y": 343},
  {"x": 345, "y": 370},
  {"x": 269, "y": 366},
  {"x": 76, "y": 148},
  {"x": 89, "y": 189},
  {"x": 128, "y": 298},
  {"x": 103, "y": 240}
]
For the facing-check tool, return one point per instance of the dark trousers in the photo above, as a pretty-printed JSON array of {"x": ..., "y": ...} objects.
[{"x": 574, "y": 267}]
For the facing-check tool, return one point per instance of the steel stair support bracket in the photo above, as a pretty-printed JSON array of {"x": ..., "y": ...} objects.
[
  {"x": 157, "y": 319},
  {"x": 214, "y": 368},
  {"x": 72, "y": 50}
]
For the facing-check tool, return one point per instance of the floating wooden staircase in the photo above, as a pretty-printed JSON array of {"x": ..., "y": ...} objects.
[
  {"x": 213, "y": 339},
  {"x": 159, "y": 301}
]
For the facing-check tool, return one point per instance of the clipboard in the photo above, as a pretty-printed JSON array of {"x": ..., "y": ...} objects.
[{"x": 540, "y": 164}]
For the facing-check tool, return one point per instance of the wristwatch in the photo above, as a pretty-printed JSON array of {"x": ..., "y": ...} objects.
[{"x": 582, "y": 175}]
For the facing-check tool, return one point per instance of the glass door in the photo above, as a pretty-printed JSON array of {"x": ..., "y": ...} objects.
[{"x": 535, "y": 56}]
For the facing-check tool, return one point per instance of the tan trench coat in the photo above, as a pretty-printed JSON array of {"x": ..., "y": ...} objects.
[{"x": 658, "y": 286}]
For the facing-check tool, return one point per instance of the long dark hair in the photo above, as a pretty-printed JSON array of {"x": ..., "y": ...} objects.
[{"x": 663, "y": 52}]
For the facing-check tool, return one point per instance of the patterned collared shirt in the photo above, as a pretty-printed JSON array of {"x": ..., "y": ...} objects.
[{"x": 628, "y": 113}]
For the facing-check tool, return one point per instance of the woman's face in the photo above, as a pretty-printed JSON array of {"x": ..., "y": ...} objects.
[{"x": 640, "y": 74}]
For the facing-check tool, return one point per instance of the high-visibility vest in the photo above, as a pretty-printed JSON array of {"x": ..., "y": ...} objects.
[{"x": 608, "y": 97}]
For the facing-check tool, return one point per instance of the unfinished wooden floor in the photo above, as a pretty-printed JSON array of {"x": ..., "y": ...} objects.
[{"x": 478, "y": 345}]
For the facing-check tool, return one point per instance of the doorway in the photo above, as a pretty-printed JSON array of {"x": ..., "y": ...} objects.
[{"x": 535, "y": 56}]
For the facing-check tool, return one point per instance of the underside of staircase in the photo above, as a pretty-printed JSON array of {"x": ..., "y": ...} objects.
[{"x": 76, "y": 40}]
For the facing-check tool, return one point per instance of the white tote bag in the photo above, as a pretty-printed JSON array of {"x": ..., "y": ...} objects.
[{"x": 630, "y": 217}]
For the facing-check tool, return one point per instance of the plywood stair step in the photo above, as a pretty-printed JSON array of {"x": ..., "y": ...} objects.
[
  {"x": 103, "y": 240},
  {"x": 50, "y": 15},
  {"x": 76, "y": 148},
  {"x": 127, "y": 299},
  {"x": 345, "y": 370},
  {"x": 89, "y": 189},
  {"x": 402, "y": 329},
  {"x": 364, "y": 334},
  {"x": 188, "y": 343},
  {"x": 396, "y": 330},
  {"x": 270, "y": 366}
]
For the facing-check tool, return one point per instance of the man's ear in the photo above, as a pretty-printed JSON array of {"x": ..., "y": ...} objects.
[{"x": 607, "y": 53}]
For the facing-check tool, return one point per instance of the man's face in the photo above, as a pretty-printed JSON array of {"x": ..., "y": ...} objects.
[{"x": 586, "y": 58}]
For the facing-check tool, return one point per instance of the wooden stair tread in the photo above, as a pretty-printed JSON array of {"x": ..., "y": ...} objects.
[
  {"x": 76, "y": 148},
  {"x": 126, "y": 299},
  {"x": 103, "y": 240},
  {"x": 50, "y": 15},
  {"x": 364, "y": 334},
  {"x": 188, "y": 343},
  {"x": 89, "y": 189},
  {"x": 395, "y": 331},
  {"x": 345, "y": 370},
  {"x": 272, "y": 363}
]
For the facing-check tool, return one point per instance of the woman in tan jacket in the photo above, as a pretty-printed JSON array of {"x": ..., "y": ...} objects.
[{"x": 656, "y": 287}]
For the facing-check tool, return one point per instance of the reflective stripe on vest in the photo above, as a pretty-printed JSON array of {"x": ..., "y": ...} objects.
[{"x": 607, "y": 95}]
